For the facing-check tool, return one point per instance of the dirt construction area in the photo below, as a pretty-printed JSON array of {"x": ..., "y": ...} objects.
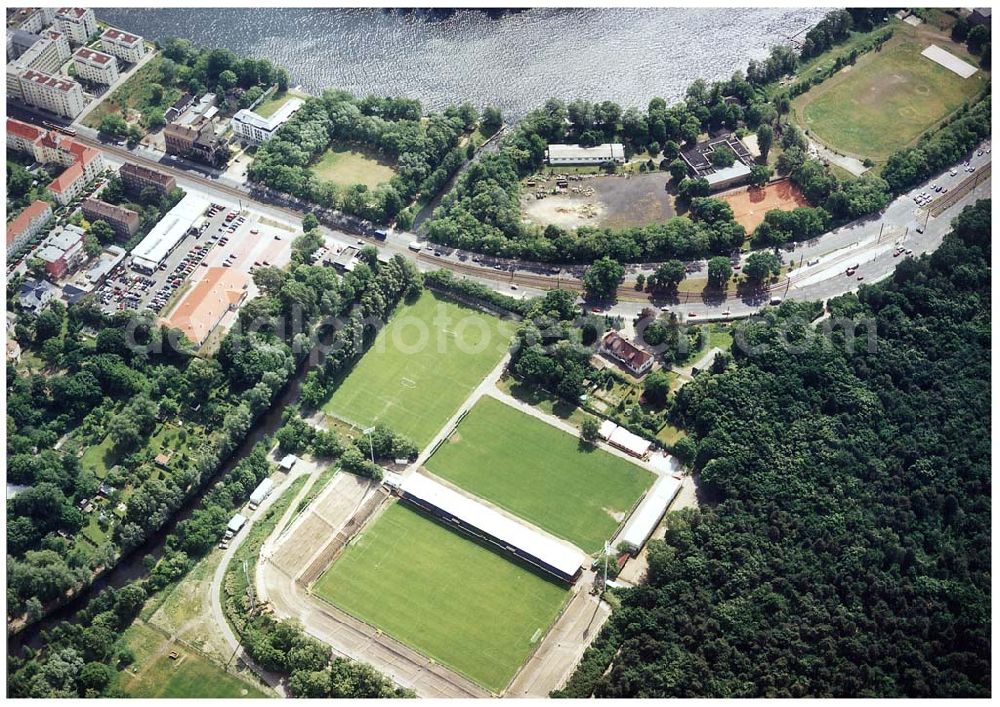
[
  {"x": 749, "y": 204},
  {"x": 615, "y": 200}
]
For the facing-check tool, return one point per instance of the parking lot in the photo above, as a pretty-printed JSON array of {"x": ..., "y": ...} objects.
[{"x": 126, "y": 288}]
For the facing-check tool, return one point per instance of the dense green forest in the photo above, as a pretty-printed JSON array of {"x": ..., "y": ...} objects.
[{"x": 845, "y": 546}]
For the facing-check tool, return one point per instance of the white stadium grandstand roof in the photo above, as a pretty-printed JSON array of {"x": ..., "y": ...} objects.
[
  {"x": 647, "y": 516},
  {"x": 608, "y": 151},
  {"x": 559, "y": 555},
  {"x": 168, "y": 232}
]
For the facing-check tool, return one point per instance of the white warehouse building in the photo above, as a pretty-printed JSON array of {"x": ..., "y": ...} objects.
[
  {"x": 168, "y": 233},
  {"x": 577, "y": 154},
  {"x": 254, "y": 129}
]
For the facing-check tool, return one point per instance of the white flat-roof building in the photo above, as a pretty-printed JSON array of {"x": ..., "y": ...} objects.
[
  {"x": 728, "y": 176},
  {"x": 647, "y": 515},
  {"x": 124, "y": 45},
  {"x": 78, "y": 23},
  {"x": 55, "y": 94},
  {"x": 161, "y": 241},
  {"x": 95, "y": 66},
  {"x": 254, "y": 129},
  {"x": 623, "y": 439},
  {"x": 577, "y": 154},
  {"x": 543, "y": 551}
]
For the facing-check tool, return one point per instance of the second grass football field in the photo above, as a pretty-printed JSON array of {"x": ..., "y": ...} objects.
[
  {"x": 540, "y": 473},
  {"x": 421, "y": 367}
]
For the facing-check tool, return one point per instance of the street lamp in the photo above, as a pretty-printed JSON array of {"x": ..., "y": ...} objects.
[{"x": 368, "y": 431}]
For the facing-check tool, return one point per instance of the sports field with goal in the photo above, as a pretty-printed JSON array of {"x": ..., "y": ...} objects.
[
  {"x": 421, "y": 367},
  {"x": 540, "y": 473},
  {"x": 444, "y": 594}
]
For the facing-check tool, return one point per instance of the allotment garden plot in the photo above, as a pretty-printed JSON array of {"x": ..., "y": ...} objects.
[
  {"x": 444, "y": 594},
  {"x": 540, "y": 473},
  {"x": 421, "y": 367},
  {"x": 888, "y": 98}
]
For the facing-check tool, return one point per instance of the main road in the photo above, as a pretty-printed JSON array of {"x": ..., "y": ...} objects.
[{"x": 868, "y": 242}]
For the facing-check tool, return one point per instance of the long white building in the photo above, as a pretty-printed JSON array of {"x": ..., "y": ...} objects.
[
  {"x": 124, "y": 45},
  {"x": 168, "y": 233},
  {"x": 650, "y": 512},
  {"x": 533, "y": 546},
  {"x": 95, "y": 66},
  {"x": 254, "y": 129},
  {"x": 577, "y": 154}
]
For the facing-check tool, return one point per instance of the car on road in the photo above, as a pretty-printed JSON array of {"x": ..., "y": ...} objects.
[{"x": 953, "y": 172}]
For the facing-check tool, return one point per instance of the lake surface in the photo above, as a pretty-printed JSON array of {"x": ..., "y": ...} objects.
[{"x": 515, "y": 60}]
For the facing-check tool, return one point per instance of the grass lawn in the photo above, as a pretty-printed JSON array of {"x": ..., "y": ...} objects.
[
  {"x": 99, "y": 458},
  {"x": 421, "y": 367},
  {"x": 887, "y": 99},
  {"x": 540, "y": 473},
  {"x": 155, "y": 675},
  {"x": 352, "y": 164},
  {"x": 273, "y": 102},
  {"x": 443, "y": 594},
  {"x": 543, "y": 401}
]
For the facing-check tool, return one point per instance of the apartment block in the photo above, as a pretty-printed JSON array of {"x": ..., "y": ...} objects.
[
  {"x": 124, "y": 222},
  {"x": 78, "y": 23},
  {"x": 127, "y": 47},
  {"x": 28, "y": 224},
  {"x": 83, "y": 164},
  {"x": 57, "y": 95},
  {"x": 95, "y": 66},
  {"x": 135, "y": 178}
]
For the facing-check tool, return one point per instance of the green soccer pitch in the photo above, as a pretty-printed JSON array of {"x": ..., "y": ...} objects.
[
  {"x": 444, "y": 594},
  {"x": 540, "y": 473},
  {"x": 421, "y": 367}
]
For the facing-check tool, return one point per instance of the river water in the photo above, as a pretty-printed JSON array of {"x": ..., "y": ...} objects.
[{"x": 515, "y": 60}]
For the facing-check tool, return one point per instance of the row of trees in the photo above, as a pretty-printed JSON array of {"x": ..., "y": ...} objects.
[
  {"x": 941, "y": 148},
  {"x": 424, "y": 149},
  {"x": 846, "y": 548}
]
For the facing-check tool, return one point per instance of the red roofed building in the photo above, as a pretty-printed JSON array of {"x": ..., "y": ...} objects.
[
  {"x": 625, "y": 352},
  {"x": 27, "y": 225},
  {"x": 125, "y": 46},
  {"x": 83, "y": 164},
  {"x": 221, "y": 290}
]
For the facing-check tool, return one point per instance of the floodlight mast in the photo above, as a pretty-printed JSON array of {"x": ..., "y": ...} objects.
[{"x": 368, "y": 431}]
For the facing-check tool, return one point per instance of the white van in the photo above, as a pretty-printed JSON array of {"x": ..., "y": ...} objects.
[{"x": 416, "y": 246}]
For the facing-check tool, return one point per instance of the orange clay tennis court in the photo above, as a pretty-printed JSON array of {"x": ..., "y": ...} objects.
[{"x": 749, "y": 204}]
